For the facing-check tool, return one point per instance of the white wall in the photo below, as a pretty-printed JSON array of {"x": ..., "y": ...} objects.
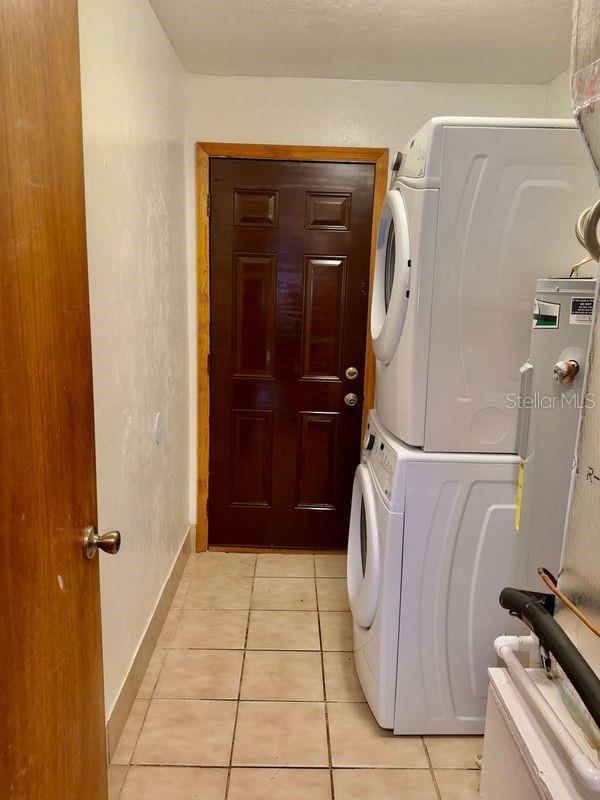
[
  {"x": 133, "y": 141},
  {"x": 339, "y": 112},
  {"x": 558, "y": 96},
  {"x": 314, "y": 111}
]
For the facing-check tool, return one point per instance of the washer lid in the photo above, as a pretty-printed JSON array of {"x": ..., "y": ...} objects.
[
  {"x": 391, "y": 287},
  {"x": 363, "y": 562}
]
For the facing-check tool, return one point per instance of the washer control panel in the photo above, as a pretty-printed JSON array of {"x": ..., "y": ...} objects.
[
  {"x": 386, "y": 457},
  {"x": 382, "y": 458}
]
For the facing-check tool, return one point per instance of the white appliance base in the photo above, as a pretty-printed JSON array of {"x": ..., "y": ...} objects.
[{"x": 521, "y": 758}]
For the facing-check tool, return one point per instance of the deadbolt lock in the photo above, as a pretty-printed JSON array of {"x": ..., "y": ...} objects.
[
  {"x": 351, "y": 373},
  {"x": 351, "y": 399},
  {"x": 108, "y": 542}
]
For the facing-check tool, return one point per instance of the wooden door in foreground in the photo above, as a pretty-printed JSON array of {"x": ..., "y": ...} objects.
[
  {"x": 52, "y": 742},
  {"x": 289, "y": 278}
]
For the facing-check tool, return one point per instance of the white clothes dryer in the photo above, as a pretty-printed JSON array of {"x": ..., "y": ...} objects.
[
  {"x": 478, "y": 211},
  {"x": 431, "y": 545}
]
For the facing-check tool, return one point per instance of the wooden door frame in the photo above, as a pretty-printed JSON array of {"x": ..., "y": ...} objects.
[{"x": 204, "y": 152}]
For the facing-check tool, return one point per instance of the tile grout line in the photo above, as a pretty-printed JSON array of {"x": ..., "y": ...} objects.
[
  {"x": 137, "y": 739},
  {"x": 127, "y": 768},
  {"x": 325, "y": 707},
  {"x": 237, "y": 707},
  {"x": 431, "y": 770}
]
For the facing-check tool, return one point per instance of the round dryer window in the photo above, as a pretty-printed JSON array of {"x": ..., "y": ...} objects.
[
  {"x": 391, "y": 289},
  {"x": 363, "y": 567}
]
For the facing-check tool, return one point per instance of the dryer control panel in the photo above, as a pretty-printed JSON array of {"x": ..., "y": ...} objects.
[{"x": 414, "y": 161}]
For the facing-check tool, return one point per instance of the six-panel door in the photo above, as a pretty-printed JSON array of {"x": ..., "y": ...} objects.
[{"x": 289, "y": 272}]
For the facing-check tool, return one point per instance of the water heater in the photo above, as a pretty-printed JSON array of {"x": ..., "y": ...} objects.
[{"x": 550, "y": 401}]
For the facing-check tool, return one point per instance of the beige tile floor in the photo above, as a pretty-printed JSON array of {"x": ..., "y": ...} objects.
[{"x": 251, "y": 694}]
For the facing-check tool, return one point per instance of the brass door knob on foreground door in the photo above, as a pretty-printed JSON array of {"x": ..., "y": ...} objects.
[
  {"x": 351, "y": 399},
  {"x": 108, "y": 542}
]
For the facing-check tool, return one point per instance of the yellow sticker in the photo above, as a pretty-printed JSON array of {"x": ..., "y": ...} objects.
[{"x": 520, "y": 480}]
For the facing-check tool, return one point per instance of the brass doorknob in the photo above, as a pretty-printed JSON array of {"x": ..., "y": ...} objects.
[
  {"x": 351, "y": 399},
  {"x": 108, "y": 542},
  {"x": 351, "y": 373}
]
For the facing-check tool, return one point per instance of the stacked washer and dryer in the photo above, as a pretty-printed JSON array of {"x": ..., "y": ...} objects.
[{"x": 478, "y": 210}]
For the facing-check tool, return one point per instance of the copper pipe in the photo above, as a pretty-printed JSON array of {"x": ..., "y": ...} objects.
[{"x": 551, "y": 583}]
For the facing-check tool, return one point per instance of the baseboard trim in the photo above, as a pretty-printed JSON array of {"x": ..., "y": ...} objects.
[
  {"x": 122, "y": 707},
  {"x": 299, "y": 550}
]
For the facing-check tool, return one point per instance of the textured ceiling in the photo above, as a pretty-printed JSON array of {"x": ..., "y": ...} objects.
[{"x": 473, "y": 41}]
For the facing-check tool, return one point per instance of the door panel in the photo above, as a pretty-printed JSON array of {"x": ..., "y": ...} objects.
[
  {"x": 256, "y": 209},
  {"x": 252, "y": 448},
  {"x": 323, "y": 317},
  {"x": 317, "y": 460},
  {"x": 290, "y": 245},
  {"x": 328, "y": 211},
  {"x": 52, "y": 742},
  {"x": 254, "y": 315}
]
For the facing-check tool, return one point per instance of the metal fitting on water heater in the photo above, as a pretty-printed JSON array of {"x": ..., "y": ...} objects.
[{"x": 565, "y": 371}]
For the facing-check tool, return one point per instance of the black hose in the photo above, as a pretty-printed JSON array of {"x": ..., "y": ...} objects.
[{"x": 532, "y": 608}]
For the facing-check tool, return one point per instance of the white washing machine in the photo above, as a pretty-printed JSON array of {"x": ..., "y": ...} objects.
[
  {"x": 431, "y": 545},
  {"x": 374, "y": 568},
  {"x": 479, "y": 209}
]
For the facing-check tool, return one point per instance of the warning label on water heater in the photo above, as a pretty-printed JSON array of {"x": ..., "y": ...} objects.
[
  {"x": 545, "y": 315},
  {"x": 581, "y": 312}
]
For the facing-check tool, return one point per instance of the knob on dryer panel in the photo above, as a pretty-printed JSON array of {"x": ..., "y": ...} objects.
[{"x": 369, "y": 441}]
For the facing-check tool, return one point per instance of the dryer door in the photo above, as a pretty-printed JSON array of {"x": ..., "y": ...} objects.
[
  {"x": 391, "y": 286},
  {"x": 363, "y": 564}
]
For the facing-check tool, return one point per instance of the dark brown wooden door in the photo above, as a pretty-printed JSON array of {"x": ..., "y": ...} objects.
[
  {"x": 52, "y": 742},
  {"x": 289, "y": 276}
]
